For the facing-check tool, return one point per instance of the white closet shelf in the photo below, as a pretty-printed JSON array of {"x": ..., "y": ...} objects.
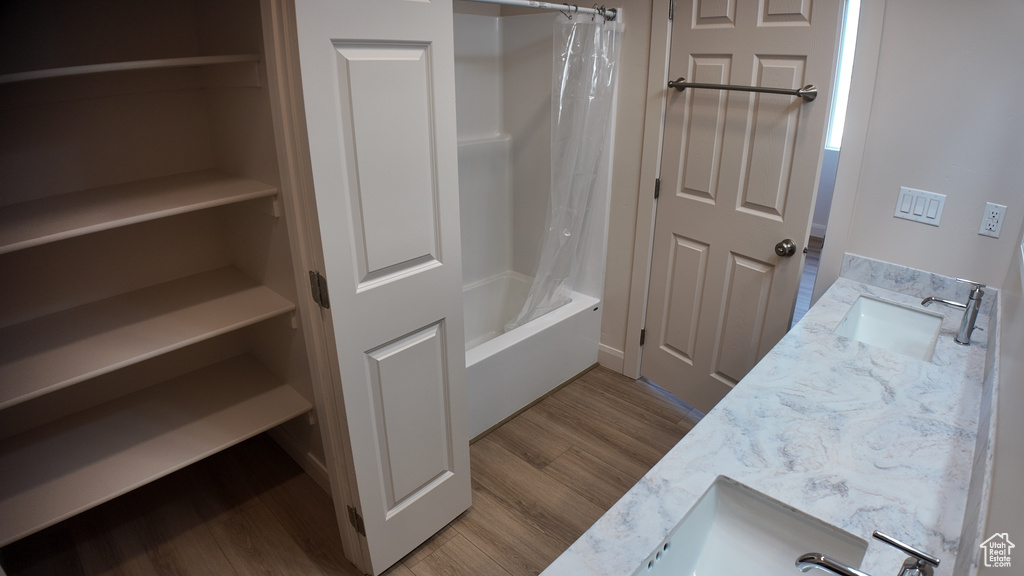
[
  {"x": 68, "y": 347},
  {"x": 193, "y": 61},
  {"x": 37, "y": 222},
  {"x": 59, "y": 470}
]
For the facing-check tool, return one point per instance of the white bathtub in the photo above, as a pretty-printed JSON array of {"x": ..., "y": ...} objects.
[{"x": 507, "y": 371}]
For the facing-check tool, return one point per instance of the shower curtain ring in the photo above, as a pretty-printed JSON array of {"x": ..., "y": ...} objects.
[{"x": 566, "y": 12}]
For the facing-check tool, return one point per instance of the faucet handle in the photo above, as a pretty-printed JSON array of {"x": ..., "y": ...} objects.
[
  {"x": 976, "y": 288},
  {"x": 918, "y": 560},
  {"x": 974, "y": 285}
]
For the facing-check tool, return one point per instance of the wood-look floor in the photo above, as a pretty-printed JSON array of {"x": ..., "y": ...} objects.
[{"x": 539, "y": 482}]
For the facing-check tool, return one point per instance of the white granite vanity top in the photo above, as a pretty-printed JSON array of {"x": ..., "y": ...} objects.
[{"x": 862, "y": 438}]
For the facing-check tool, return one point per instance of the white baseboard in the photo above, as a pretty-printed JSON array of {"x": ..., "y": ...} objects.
[
  {"x": 610, "y": 358},
  {"x": 311, "y": 464}
]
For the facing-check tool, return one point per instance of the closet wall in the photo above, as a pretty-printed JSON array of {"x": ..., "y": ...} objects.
[{"x": 147, "y": 289}]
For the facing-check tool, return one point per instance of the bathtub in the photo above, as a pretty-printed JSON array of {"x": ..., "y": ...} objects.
[{"x": 506, "y": 371}]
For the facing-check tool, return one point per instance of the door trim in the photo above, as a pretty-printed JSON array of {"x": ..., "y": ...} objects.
[
  {"x": 858, "y": 116},
  {"x": 650, "y": 169}
]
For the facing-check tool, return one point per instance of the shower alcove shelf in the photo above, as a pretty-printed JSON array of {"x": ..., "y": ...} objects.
[{"x": 148, "y": 293}]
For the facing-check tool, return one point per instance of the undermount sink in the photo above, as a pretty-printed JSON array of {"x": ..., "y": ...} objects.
[
  {"x": 892, "y": 326},
  {"x": 734, "y": 529}
]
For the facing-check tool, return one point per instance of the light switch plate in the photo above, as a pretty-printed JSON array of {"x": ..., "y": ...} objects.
[{"x": 919, "y": 206}]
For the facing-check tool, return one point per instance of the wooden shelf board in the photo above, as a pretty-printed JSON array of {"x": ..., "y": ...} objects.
[
  {"x": 55, "y": 472},
  {"x": 68, "y": 347},
  {"x": 126, "y": 66},
  {"x": 37, "y": 222}
]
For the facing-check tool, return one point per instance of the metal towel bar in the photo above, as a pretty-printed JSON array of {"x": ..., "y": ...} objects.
[{"x": 808, "y": 93}]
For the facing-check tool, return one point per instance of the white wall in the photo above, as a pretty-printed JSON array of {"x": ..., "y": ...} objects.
[{"x": 927, "y": 128}]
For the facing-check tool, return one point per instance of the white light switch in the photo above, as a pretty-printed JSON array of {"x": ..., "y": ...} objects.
[
  {"x": 906, "y": 203},
  {"x": 919, "y": 206}
]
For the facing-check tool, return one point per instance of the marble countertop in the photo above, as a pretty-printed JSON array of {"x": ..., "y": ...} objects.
[{"x": 857, "y": 436}]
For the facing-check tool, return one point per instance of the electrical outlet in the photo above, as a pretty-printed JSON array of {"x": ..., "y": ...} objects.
[{"x": 992, "y": 220}]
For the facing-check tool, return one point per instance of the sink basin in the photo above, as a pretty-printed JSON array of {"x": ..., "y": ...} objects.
[
  {"x": 892, "y": 326},
  {"x": 734, "y": 529}
]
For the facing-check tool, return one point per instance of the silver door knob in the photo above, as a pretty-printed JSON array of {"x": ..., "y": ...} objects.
[{"x": 786, "y": 248}]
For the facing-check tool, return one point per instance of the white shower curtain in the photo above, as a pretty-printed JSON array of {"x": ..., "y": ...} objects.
[{"x": 586, "y": 55}]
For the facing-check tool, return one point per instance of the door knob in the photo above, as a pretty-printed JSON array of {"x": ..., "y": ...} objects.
[{"x": 786, "y": 248}]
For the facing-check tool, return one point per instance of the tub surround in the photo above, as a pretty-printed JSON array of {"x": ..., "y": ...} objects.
[
  {"x": 857, "y": 436},
  {"x": 503, "y": 91}
]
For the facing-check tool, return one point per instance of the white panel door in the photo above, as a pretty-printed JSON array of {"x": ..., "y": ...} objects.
[
  {"x": 739, "y": 173},
  {"x": 379, "y": 91}
]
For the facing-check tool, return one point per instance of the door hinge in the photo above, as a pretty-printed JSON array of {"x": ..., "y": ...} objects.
[
  {"x": 643, "y": 336},
  {"x": 657, "y": 188},
  {"x": 318, "y": 286},
  {"x": 356, "y": 521},
  {"x": 671, "y": 8}
]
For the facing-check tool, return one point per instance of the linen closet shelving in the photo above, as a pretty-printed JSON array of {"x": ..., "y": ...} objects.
[{"x": 148, "y": 292}]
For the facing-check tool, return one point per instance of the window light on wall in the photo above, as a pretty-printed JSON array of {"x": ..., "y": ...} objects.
[{"x": 842, "y": 90}]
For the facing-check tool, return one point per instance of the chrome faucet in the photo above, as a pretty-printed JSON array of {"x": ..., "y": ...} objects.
[
  {"x": 917, "y": 564},
  {"x": 830, "y": 565},
  {"x": 963, "y": 335}
]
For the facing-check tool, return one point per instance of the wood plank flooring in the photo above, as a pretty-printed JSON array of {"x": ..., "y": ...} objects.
[{"x": 539, "y": 481}]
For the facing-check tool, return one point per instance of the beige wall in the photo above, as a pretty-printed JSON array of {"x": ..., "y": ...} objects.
[
  {"x": 945, "y": 115},
  {"x": 629, "y": 132}
]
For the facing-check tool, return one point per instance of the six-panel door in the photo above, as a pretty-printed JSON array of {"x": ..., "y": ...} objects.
[{"x": 738, "y": 175}]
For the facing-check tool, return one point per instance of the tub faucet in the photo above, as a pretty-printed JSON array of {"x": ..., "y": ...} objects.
[{"x": 963, "y": 335}]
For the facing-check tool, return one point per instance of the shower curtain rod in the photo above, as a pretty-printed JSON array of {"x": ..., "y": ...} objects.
[{"x": 606, "y": 13}]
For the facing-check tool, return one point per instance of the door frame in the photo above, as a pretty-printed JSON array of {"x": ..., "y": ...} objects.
[
  {"x": 869, "y": 38},
  {"x": 650, "y": 169}
]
